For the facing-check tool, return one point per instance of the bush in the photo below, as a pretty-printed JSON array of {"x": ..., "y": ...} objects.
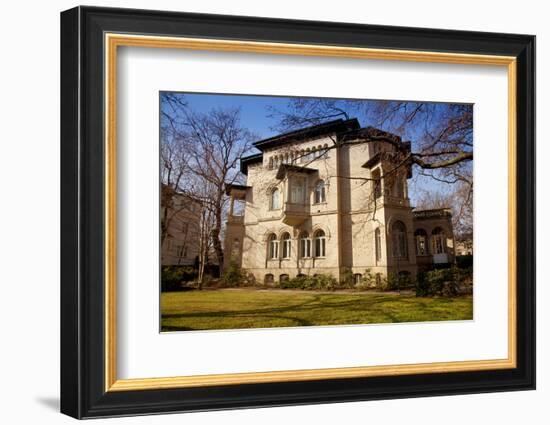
[
  {"x": 172, "y": 277},
  {"x": 368, "y": 281},
  {"x": 444, "y": 282},
  {"x": 464, "y": 261},
  {"x": 347, "y": 278},
  {"x": 321, "y": 281},
  {"x": 233, "y": 276}
]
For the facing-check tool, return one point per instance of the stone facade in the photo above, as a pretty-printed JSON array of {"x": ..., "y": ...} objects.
[
  {"x": 180, "y": 246},
  {"x": 322, "y": 201}
]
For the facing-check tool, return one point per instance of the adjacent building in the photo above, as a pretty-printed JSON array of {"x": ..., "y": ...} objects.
[
  {"x": 330, "y": 199},
  {"x": 179, "y": 228}
]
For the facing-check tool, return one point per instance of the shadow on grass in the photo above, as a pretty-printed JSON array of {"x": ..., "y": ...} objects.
[{"x": 291, "y": 313}]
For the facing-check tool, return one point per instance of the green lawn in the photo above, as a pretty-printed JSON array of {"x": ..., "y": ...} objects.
[{"x": 237, "y": 309}]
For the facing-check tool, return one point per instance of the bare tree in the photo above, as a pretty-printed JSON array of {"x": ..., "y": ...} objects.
[
  {"x": 174, "y": 174},
  {"x": 214, "y": 143},
  {"x": 442, "y": 134}
]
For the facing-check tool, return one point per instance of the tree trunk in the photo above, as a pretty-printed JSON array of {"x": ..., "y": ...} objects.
[{"x": 218, "y": 249}]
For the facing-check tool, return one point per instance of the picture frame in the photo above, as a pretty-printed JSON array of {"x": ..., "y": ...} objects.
[{"x": 90, "y": 39}]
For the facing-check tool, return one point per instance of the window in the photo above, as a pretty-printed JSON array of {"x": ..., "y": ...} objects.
[
  {"x": 377, "y": 244},
  {"x": 438, "y": 241},
  {"x": 275, "y": 199},
  {"x": 297, "y": 191},
  {"x": 320, "y": 192},
  {"x": 325, "y": 149},
  {"x": 421, "y": 242},
  {"x": 376, "y": 184},
  {"x": 270, "y": 166},
  {"x": 357, "y": 277},
  {"x": 399, "y": 232},
  {"x": 283, "y": 278},
  {"x": 268, "y": 279},
  {"x": 320, "y": 243},
  {"x": 305, "y": 245},
  {"x": 273, "y": 247},
  {"x": 286, "y": 245}
]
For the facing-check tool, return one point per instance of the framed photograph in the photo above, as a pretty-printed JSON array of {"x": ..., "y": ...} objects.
[{"x": 261, "y": 212}]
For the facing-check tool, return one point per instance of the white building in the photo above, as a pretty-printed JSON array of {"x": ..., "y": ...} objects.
[{"x": 329, "y": 199}]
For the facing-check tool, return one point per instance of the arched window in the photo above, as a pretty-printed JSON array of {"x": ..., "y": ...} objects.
[
  {"x": 438, "y": 241},
  {"x": 378, "y": 244},
  {"x": 320, "y": 243},
  {"x": 268, "y": 279},
  {"x": 305, "y": 245},
  {"x": 421, "y": 242},
  {"x": 320, "y": 192},
  {"x": 286, "y": 245},
  {"x": 272, "y": 247},
  {"x": 270, "y": 166},
  {"x": 283, "y": 278},
  {"x": 275, "y": 199},
  {"x": 357, "y": 277},
  {"x": 302, "y": 156},
  {"x": 325, "y": 151},
  {"x": 399, "y": 232},
  {"x": 297, "y": 190}
]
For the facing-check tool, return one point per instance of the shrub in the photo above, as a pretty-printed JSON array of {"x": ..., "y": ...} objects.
[
  {"x": 346, "y": 279},
  {"x": 464, "y": 261},
  {"x": 422, "y": 285},
  {"x": 173, "y": 276},
  {"x": 445, "y": 282},
  {"x": 368, "y": 281},
  {"x": 317, "y": 282},
  {"x": 233, "y": 276}
]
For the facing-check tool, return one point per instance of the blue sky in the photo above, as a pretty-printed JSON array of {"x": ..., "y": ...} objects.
[
  {"x": 255, "y": 116},
  {"x": 254, "y": 109}
]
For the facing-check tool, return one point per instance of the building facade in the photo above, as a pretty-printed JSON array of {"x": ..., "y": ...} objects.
[
  {"x": 331, "y": 199},
  {"x": 180, "y": 229}
]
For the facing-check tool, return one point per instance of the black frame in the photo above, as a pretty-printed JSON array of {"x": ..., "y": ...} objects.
[{"x": 82, "y": 203}]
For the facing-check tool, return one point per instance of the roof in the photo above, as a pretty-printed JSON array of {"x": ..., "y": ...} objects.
[
  {"x": 230, "y": 186},
  {"x": 346, "y": 130},
  {"x": 284, "y": 168},
  {"x": 335, "y": 126},
  {"x": 250, "y": 160},
  {"x": 434, "y": 213}
]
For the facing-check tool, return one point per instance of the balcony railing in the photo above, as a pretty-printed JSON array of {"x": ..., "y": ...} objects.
[
  {"x": 394, "y": 200},
  {"x": 295, "y": 214},
  {"x": 235, "y": 219}
]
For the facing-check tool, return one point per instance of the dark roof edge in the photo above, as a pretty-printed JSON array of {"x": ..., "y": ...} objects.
[
  {"x": 249, "y": 160},
  {"x": 315, "y": 130}
]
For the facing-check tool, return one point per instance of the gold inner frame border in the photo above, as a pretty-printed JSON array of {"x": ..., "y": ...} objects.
[{"x": 112, "y": 41}]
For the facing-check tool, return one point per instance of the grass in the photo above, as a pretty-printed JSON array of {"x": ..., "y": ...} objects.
[{"x": 245, "y": 308}]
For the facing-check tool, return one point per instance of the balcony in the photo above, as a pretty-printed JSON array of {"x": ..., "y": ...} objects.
[
  {"x": 235, "y": 219},
  {"x": 295, "y": 214},
  {"x": 395, "y": 200}
]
